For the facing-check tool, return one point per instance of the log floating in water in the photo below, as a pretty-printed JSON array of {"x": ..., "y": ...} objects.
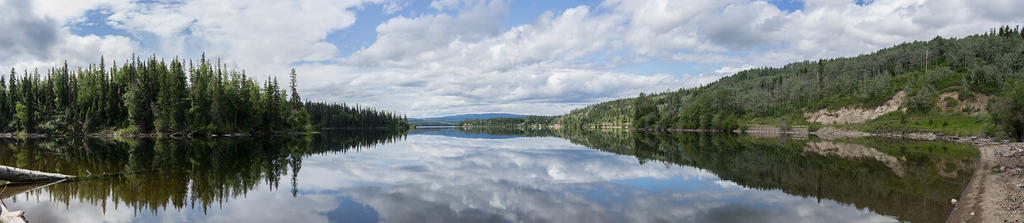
[
  {"x": 13, "y": 174},
  {"x": 8, "y": 191}
]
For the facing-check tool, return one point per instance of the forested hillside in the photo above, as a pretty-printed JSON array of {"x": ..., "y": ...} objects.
[
  {"x": 154, "y": 96},
  {"x": 968, "y": 86}
]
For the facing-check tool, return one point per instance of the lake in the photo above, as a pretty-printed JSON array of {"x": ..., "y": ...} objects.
[{"x": 490, "y": 175}]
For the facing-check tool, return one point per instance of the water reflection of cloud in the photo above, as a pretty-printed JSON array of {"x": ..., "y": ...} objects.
[
  {"x": 442, "y": 179},
  {"x": 517, "y": 204},
  {"x": 435, "y": 179},
  {"x": 527, "y": 161},
  {"x": 42, "y": 208}
]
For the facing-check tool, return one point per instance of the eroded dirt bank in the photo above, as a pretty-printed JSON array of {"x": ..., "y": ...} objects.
[{"x": 857, "y": 115}]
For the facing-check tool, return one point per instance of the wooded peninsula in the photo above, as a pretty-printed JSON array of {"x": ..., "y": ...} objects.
[{"x": 180, "y": 97}]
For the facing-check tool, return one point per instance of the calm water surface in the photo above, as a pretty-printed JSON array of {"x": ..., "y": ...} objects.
[{"x": 491, "y": 175}]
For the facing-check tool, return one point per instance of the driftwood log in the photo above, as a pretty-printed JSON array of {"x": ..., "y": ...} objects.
[
  {"x": 12, "y": 174},
  {"x": 9, "y": 190},
  {"x": 18, "y": 175}
]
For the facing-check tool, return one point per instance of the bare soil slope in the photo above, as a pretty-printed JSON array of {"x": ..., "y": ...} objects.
[{"x": 857, "y": 115}]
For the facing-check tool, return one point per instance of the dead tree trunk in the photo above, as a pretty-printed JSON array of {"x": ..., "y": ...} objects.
[{"x": 13, "y": 174}]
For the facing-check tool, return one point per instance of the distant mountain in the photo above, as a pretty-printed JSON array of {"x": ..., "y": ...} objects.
[{"x": 453, "y": 119}]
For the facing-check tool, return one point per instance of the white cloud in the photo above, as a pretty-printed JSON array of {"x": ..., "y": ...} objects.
[
  {"x": 742, "y": 26},
  {"x": 842, "y": 28},
  {"x": 65, "y": 11},
  {"x": 393, "y": 6},
  {"x": 38, "y": 40},
  {"x": 658, "y": 27},
  {"x": 462, "y": 57},
  {"x": 444, "y": 4},
  {"x": 468, "y": 64},
  {"x": 404, "y": 42},
  {"x": 729, "y": 70},
  {"x": 263, "y": 36}
]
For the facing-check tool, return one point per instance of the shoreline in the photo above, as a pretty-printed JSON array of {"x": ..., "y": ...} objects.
[{"x": 994, "y": 193}]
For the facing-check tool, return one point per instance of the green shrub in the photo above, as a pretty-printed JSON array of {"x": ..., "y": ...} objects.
[{"x": 1008, "y": 111}]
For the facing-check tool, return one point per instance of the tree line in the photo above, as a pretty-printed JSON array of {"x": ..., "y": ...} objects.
[
  {"x": 143, "y": 96},
  {"x": 337, "y": 116}
]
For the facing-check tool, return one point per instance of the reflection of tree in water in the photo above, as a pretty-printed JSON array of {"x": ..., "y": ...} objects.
[
  {"x": 149, "y": 174},
  {"x": 922, "y": 194}
]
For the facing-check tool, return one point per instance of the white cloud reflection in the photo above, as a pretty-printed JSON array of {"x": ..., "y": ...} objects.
[{"x": 432, "y": 178}]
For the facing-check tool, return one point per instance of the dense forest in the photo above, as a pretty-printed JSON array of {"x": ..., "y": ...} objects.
[
  {"x": 979, "y": 66},
  {"x": 179, "y": 97},
  {"x": 337, "y": 116}
]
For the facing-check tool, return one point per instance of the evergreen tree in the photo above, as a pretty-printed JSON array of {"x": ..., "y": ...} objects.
[
  {"x": 271, "y": 105},
  {"x": 298, "y": 118},
  {"x": 4, "y": 110},
  {"x": 218, "y": 104},
  {"x": 172, "y": 100},
  {"x": 139, "y": 98},
  {"x": 12, "y": 99},
  {"x": 25, "y": 108},
  {"x": 200, "y": 109}
]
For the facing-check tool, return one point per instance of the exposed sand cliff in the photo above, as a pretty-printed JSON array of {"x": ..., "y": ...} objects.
[{"x": 857, "y": 115}]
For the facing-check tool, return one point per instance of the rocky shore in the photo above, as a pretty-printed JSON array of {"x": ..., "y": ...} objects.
[{"x": 995, "y": 192}]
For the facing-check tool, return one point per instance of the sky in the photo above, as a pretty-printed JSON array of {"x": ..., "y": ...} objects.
[{"x": 431, "y": 58}]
